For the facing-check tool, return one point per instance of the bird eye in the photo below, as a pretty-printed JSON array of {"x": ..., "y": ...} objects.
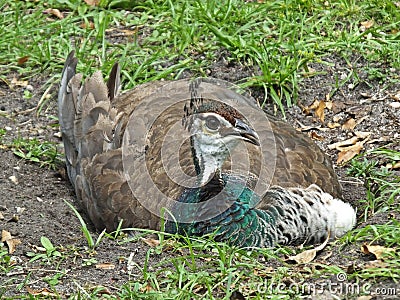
[{"x": 212, "y": 123}]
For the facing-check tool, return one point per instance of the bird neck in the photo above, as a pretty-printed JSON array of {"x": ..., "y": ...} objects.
[{"x": 207, "y": 163}]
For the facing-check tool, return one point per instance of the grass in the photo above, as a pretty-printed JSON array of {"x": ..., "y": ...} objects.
[
  {"x": 162, "y": 39},
  {"x": 382, "y": 184},
  {"x": 154, "y": 40},
  {"x": 34, "y": 150}
]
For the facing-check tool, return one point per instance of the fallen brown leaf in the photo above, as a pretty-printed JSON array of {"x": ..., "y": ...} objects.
[
  {"x": 16, "y": 82},
  {"x": 329, "y": 105},
  {"x": 349, "y": 152},
  {"x": 92, "y": 2},
  {"x": 349, "y": 124},
  {"x": 41, "y": 292},
  {"x": 22, "y": 60},
  {"x": 340, "y": 144},
  {"x": 5, "y": 235},
  {"x": 55, "y": 12},
  {"x": 319, "y": 112},
  {"x": 375, "y": 264},
  {"x": 316, "y": 136},
  {"x": 379, "y": 251},
  {"x": 362, "y": 134},
  {"x": 368, "y": 24},
  {"x": 11, "y": 242},
  {"x": 308, "y": 255},
  {"x": 395, "y": 96},
  {"x": 307, "y": 110},
  {"x": 333, "y": 125},
  {"x": 89, "y": 25},
  {"x": 151, "y": 242},
  {"x": 393, "y": 166}
]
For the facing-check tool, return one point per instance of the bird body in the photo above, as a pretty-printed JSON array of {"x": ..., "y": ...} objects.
[{"x": 123, "y": 159}]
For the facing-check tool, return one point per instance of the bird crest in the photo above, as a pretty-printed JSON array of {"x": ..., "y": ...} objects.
[{"x": 198, "y": 104}]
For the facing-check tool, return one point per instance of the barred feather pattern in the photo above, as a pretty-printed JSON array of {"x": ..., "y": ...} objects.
[{"x": 291, "y": 216}]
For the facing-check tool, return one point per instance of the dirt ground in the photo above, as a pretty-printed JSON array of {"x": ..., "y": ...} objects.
[{"x": 34, "y": 206}]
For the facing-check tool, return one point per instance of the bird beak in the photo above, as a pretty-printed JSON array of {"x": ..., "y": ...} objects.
[{"x": 246, "y": 133}]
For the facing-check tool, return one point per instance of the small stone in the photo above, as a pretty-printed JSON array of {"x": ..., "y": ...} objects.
[
  {"x": 20, "y": 210},
  {"x": 13, "y": 179}
]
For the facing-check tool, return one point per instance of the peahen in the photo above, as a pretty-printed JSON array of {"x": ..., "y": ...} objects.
[{"x": 185, "y": 151}]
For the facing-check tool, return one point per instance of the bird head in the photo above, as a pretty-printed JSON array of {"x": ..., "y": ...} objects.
[{"x": 216, "y": 129}]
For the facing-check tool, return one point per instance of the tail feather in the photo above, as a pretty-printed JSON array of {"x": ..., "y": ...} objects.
[
  {"x": 85, "y": 114},
  {"x": 114, "y": 82}
]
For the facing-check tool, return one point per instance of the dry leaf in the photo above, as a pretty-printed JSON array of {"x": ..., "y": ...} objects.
[
  {"x": 329, "y": 105},
  {"x": 316, "y": 136},
  {"x": 348, "y": 153},
  {"x": 127, "y": 32},
  {"x": 16, "y": 82},
  {"x": 5, "y": 235},
  {"x": 42, "y": 292},
  {"x": 11, "y": 242},
  {"x": 105, "y": 266},
  {"x": 319, "y": 112},
  {"x": 349, "y": 124},
  {"x": 343, "y": 145},
  {"x": 368, "y": 24},
  {"x": 22, "y": 60},
  {"x": 396, "y": 96},
  {"x": 151, "y": 242},
  {"x": 340, "y": 144},
  {"x": 362, "y": 134},
  {"x": 55, "y": 12},
  {"x": 308, "y": 255},
  {"x": 393, "y": 166},
  {"x": 333, "y": 125},
  {"x": 307, "y": 110},
  {"x": 92, "y": 2},
  {"x": 89, "y": 25},
  {"x": 375, "y": 264},
  {"x": 378, "y": 251}
]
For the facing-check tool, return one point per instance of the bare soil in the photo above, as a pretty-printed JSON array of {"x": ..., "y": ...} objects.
[{"x": 34, "y": 206}]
